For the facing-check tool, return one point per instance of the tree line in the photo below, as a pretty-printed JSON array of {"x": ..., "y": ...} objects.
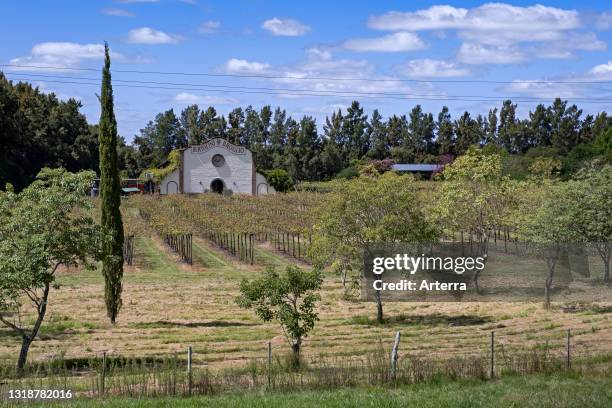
[
  {"x": 38, "y": 130},
  {"x": 280, "y": 142}
]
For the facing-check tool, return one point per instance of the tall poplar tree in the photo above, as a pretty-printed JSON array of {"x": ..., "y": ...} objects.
[{"x": 110, "y": 196}]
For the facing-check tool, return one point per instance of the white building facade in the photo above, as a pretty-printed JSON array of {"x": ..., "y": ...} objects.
[{"x": 215, "y": 166}]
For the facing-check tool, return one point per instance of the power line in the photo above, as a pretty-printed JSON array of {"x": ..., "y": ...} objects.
[
  {"x": 317, "y": 78},
  {"x": 272, "y": 91},
  {"x": 329, "y": 92}
]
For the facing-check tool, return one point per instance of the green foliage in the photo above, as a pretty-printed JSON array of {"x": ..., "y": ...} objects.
[
  {"x": 348, "y": 173},
  {"x": 474, "y": 196},
  {"x": 547, "y": 215},
  {"x": 567, "y": 212},
  {"x": 157, "y": 174},
  {"x": 38, "y": 130},
  {"x": 42, "y": 228},
  {"x": 579, "y": 156},
  {"x": 588, "y": 201},
  {"x": 603, "y": 145},
  {"x": 368, "y": 210},
  {"x": 289, "y": 298},
  {"x": 544, "y": 221},
  {"x": 591, "y": 194},
  {"x": 110, "y": 196},
  {"x": 545, "y": 167},
  {"x": 517, "y": 166},
  {"x": 279, "y": 179},
  {"x": 369, "y": 170}
]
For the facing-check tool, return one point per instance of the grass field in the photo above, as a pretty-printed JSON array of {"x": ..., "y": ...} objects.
[
  {"x": 558, "y": 391},
  {"x": 168, "y": 306}
]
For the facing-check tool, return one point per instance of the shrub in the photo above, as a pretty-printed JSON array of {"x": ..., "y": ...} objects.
[
  {"x": 279, "y": 179},
  {"x": 348, "y": 173}
]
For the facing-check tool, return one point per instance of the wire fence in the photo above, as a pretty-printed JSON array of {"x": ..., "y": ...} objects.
[{"x": 188, "y": 372}]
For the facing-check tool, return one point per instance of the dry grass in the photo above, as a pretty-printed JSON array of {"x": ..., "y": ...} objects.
[{"x": 169, "y": 306}]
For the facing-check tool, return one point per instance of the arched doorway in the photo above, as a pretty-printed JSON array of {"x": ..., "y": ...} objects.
[
  {"x": 171, "y": 187},
  {"x": 262, "y": 189},
  {"x": 217, "y": 186}
]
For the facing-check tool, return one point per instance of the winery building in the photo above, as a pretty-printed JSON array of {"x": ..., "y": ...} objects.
[{"x": 215, "y": 166}]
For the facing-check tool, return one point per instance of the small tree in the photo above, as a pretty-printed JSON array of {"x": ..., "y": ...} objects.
[
  {"x": 545, "y": 223},
  {"x": 474, "y": 196},
  {"x": 369, "y": 210},
  {"x": 280, "y": 180},
  {"x": 589, "y": 201},
  {"x": 42, "y": 228},
  {"x": 289, "y": 298},
  {"x": 110, "y": 196}
]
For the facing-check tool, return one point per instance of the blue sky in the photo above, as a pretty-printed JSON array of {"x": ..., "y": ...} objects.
[{"x": 417, "y": 51}]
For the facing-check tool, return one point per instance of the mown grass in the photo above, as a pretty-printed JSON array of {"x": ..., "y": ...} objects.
[
  {"x": 168, "y": 306},
  {"x": 563, "y": 390}
]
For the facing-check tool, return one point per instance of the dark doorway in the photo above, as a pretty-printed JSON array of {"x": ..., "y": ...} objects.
[{"x": 217, "y": 186}]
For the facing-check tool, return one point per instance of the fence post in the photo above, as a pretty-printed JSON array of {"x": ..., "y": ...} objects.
[
  {"x": 492, "y": 354},
  {"x": 568, "y": 362},
  {"x": 269, "y": 364},
  {"x": 189, "y": 377},
  {"x": 103, "y": 373},
  {"x": 251, "y": 244},
  {"x": 394, "y": 356}
]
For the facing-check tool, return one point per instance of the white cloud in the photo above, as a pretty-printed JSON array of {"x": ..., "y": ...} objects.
[
  {"x": 488, "y": 17},
  {"x": 147, "y": 35},
  {"x": 63, "y": 55},
  {"x": 209, "y": 27},
  {"x": 500, "y": 37},
  {"x": 567, "y": 87},
  {"x": 602, "y": 71},
  {"x": 319, "y": 53},
  {"x": 236, "y": 65},
  {"x": 553, "y": 53},
  {"x": 471, "y": 53},
  {"x": 396, "y": 42},
  {"x": 285, "y": 27},
  {"x": 566, "y": 45},
  {"x": 430, "y": 68},
  {"x": 544, "y": 89},
  {"x": 500, "y": 32},
  {"x": 604, "y": 21},
  {"x": 356, "y": 77},
  {"x": 190, "y": 99},
  {"x": 117, "y": 12},
  {"x": 581, "y": 41}
]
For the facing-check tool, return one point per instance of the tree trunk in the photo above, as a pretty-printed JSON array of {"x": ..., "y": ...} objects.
[
  {"x": 549, "y": 281},
  {"x": 295, "y": 358},
  {"x": 485, "y": 253},
  {"x": 23, "y": 354},
  {"x": 27, "y": 339},
  {"x": 605, "y": 254},
  {"x": 379, "y": 308}
]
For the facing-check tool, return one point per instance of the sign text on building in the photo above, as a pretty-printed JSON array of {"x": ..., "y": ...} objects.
[{"x": 217, "y": 143}]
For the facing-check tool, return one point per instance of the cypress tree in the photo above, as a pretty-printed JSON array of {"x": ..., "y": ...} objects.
[{"x": 110, "y": 196}]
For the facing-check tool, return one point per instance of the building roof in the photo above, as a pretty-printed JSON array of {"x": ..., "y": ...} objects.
[{"x": 416, "y": 167}]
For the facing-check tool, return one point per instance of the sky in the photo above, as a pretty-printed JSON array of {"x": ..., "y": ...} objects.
[{"x": 312, "y": 57}]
